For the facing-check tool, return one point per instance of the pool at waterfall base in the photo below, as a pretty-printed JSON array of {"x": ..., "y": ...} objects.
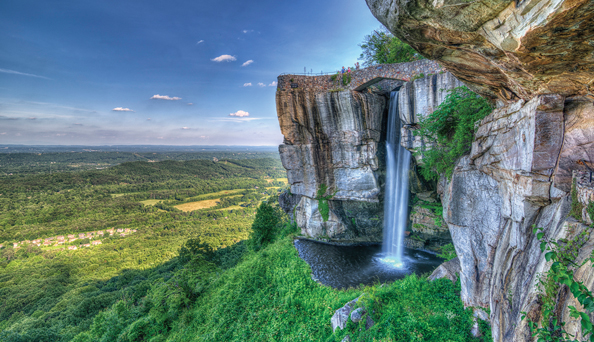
[{"x": 342, "y": 267}]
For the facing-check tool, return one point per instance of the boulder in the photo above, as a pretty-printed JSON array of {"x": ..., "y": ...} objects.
[
  {"x": 341, "y": 316},
  {"x": 449, "y": 269}
]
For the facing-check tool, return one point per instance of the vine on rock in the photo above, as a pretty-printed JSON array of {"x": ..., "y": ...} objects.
[
  {"x": 323, "y": 202},
  {"x": 563, "y": 254}
]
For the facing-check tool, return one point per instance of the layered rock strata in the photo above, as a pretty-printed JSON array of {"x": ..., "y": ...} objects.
[
  {"x": 505, "y": 50},
  {"x": 535, "y": 60},
  {"x": 514, "y": 179},
  {"x": 331, "y": 141},
  {"x": 336, "y": 140}
]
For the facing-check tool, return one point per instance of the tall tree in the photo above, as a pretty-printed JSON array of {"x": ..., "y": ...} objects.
[{"x": 381, "y": 47}]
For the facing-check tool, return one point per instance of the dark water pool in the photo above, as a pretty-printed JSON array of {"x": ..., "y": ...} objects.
[{"x": 349, "y": 266}]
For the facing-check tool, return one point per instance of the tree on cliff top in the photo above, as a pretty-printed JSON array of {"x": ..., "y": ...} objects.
[{"x": 381, "y": 47}]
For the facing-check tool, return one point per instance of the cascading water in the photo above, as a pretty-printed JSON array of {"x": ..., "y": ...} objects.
[{"x": 396, "y": 191}]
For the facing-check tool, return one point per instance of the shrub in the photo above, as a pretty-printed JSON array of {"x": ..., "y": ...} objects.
[
  {"x": 449, "y": 131},
  {"x": 265, "y": 226},
  {"x": 576, "y": 206},
  {"x": 448, "y": 252}
]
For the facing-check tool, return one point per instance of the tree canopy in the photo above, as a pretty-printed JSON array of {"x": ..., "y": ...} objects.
[{"x": 382, "y": 47}]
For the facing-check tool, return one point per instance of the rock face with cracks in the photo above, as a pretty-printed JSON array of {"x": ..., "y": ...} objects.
[
  {"x": 535, "y": 60},
  {"x": 332, "y": 141},
  {"x": 505, "y": 50}
]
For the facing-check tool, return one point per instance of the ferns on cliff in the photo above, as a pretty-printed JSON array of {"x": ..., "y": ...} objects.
[{"x": 449, "y": 130}]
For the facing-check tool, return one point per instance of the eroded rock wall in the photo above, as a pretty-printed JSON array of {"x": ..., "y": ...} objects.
[
  {"x": 332, "y": 140},
  {"x": 419, "y": 98},
  {"x": 505, "y": 50},
  {"x": 535, "y": 60},
  {"x": 514, "y": 179}
]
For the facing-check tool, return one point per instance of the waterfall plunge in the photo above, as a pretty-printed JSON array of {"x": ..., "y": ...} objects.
[{"x": 396, "y": 191}]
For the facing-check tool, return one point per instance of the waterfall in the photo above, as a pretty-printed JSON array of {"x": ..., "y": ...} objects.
[{"x": 396, "y": 191}]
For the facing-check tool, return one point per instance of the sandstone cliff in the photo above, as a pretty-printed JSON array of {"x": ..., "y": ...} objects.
[
  {"x": 535, "y": 59},
  {"x": 336, "y": 139},
  {"x": 331, "y": 140}
]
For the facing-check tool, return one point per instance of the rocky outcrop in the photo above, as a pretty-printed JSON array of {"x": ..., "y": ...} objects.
[
  {"x": 535, "y": 60},
  {"x": 448, "y": 270},
  {"x": 332, "y": 141},
  {"x": 335, "y": 139},
  {"x": 504, "y": 50},
  {"x": 417, "y": 99},
  {"x": 514, "y": 179}
]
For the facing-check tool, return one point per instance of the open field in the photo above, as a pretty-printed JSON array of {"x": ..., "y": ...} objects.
[
  {"x": 150, "y": 201},
  {"x": 198, "y": 205},
  {"x": 219, "y": 193}
]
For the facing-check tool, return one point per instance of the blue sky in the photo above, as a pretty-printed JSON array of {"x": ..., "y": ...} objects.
[{"x": 162, "y": 72}]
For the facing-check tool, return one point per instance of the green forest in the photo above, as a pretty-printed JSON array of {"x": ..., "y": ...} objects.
[{"x": 228, "y": 272}]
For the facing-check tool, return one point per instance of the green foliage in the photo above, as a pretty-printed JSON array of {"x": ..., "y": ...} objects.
[
  {"x": 448, "y": 252},
  {"x": 562, "y": 254},
  {"x": 323, "y": 207},
  {"x": 346, "y": 78},
  {"x": 381, "y": 47},
  {"x": 265, "y": 226},
  {"x": 435, "y": 207},
  {"x": 449, "y": 130},
  {"x": 48, "y": 294},
  {"x": 576, "y": 206},
  {"x": 590, "y": 211}
]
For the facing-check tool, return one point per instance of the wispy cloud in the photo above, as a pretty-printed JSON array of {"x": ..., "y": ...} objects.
[
  {"x": 247, "y": 31},
  {"x": 273, "y": 84},
  {"x": 3, "y": 117},
  {"x": 236, "y": 119},
  {"x": 121, "y": 109},
  {"x": 165, "y": 97},
  {"x": 247, "y": 63},
  {"x": 186, "y": 128},
  {"x": 262, "y": 84},
  {"x": 224, "y": 58},
  {"x": 6, "y": 71},
  {"x": 32, "y": 118},
  {"x": 200, "y": 42},
  {"x": 247, "y": 84},
  {"x": 240, "y": 113},
  {"x": 190, "y": 104}
]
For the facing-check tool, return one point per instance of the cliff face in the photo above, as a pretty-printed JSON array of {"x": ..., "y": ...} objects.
[
  {"x": 536, "y": 59},
  {"x": 336, "y": 139},
  {"x": 506, "y": 50},
  {"x": 332, "y": 139}
]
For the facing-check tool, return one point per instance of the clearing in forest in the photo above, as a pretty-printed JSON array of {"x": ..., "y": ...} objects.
[
  {"x": 199, "y": 205},
  {"x": 150, "y": 201}
]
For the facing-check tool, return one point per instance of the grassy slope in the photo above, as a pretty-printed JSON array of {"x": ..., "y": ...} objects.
[{"x": 270, "y": 296}]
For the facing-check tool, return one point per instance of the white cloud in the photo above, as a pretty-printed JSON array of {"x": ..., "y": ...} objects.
[
  {"x": 247, "y": 31},
  {"x": 240, "y": 113},
  {"x": 6, "y": 71},
  {"x": 247, "y": 63},
  {"x": 149, "y": 119},
  {"x": 224, "y": 58},
  {"x": 273, "y": 84},
  {"x": 165, "y": 97},
  {"x": 247, "y": 84},
  {"x": 121, "y": 109},
  {"x": 32, "y": 118},
  {"x": 262, "y": 84},
  {"x": 200, "y": 41},
  {"x": 190, "y": 104},
  {"x": 3, "y": 133},
  {"x": 185, "y": 127}
]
